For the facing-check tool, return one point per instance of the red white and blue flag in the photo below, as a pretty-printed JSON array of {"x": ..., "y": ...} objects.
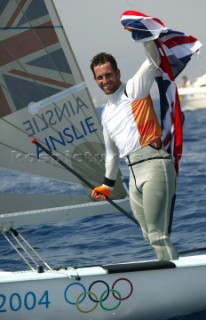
[
  {"x": 176, "y": 49},
  {"x": 33, "y": 65}
]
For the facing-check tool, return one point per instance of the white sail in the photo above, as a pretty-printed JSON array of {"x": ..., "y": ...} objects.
[{"x": 43, "y": 95}]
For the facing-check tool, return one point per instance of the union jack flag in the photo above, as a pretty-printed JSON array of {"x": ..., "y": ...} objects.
[
  {"x": 176, "y": 49},
  {"x": 32, "y": 63}
]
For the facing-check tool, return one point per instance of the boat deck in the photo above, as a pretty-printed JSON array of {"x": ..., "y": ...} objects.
[{"x": 86, "y": 271}]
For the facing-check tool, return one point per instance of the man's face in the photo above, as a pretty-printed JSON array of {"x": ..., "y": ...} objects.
[{"x": 107, "y": 78}]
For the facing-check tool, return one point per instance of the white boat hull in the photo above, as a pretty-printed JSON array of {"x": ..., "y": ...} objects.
[
  {"x": 144, "y": 291},
  {"x": 192, "y": 98},
  {"x": 192, "y": 103}
]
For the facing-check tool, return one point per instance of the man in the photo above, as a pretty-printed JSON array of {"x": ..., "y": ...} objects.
[{"x": 132, "y": 131}]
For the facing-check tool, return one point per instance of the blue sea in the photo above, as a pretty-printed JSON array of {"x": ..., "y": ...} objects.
[{"x": 114, "y": 238}]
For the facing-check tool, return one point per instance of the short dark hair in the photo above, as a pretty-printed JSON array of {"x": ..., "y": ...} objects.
[{"x": 102, "y": 58}]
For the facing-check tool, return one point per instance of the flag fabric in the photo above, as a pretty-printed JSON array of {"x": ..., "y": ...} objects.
[{"x": 176, "y": 49}]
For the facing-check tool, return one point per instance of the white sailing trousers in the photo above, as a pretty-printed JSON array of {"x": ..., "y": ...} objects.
[{"x": 152, "y": 197}]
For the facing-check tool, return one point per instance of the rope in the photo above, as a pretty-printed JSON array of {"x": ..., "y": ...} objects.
[
  {"x": 22, "y": 244},
  {"x": 16, "y": 234},
  {"x": 19, "y": 253},
  {"x": 35, "y": 252},
  {"x": 23, "y": 248}
]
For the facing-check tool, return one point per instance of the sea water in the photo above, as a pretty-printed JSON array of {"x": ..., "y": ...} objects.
[{"x": 114, "y": 238}]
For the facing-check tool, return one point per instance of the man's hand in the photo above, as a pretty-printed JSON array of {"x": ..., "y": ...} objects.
[{"x": 101, "y": 192}]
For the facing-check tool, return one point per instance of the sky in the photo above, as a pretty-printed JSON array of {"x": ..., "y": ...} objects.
[{"x": 93, "y": 26}]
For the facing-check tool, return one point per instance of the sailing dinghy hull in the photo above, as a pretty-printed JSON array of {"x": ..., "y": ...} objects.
[{"x": 144, "y": 290}]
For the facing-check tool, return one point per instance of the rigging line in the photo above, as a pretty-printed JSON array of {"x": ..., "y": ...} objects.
[
  {"x": 14, "y": 235},
  {"x": 16, "y": 249},
  {"x": 81, "y": 178},
  {"x": 34, "y": 251}
]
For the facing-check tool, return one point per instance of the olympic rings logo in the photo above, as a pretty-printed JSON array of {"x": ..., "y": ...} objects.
[{"x": 75, "y": 293}]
